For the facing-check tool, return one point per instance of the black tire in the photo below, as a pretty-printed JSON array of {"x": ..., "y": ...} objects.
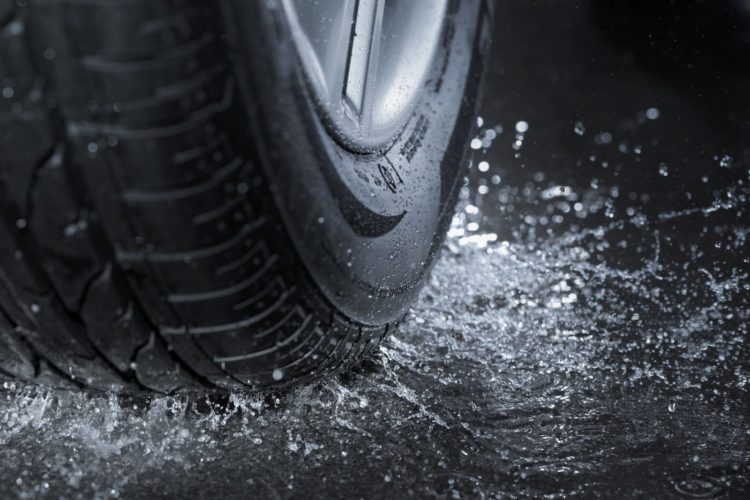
[{"x": 157, "y": 228}]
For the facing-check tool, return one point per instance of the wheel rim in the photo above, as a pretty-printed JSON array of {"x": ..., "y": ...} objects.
[{"x": 365, "y": 61}]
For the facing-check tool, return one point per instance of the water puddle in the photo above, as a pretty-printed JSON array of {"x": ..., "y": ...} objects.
[{"x": 572, "y": 340}]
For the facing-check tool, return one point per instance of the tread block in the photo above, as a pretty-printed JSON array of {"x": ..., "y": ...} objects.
[
  {"x": 121, "y": 333},
  {"x": 18, "y": 359},
  {"x": 60, "y": 227}
]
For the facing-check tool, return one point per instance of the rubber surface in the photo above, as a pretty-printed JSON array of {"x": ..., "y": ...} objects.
[
  {"x": 367, "y": 226},
  {"x": 139, "y": 244}
]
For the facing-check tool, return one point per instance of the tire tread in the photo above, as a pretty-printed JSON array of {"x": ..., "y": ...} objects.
[{"x": 139, "y": 246}]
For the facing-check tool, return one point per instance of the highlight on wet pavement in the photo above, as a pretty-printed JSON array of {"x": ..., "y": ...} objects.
[{"x": 583, "y": 333}]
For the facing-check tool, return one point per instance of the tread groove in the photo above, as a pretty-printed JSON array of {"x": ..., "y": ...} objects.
[
  {"x": 157, "y": 257},
  {"x": 181, "y": 298},
  {"x": 179, "y": 193},
  {"x": 229, "y": 327},
  {"x": 85, "y": 128},
  {"x": 251, "y": 355}
]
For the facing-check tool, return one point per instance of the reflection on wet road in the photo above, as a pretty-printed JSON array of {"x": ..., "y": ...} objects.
[{"x": 584, "y": 333}]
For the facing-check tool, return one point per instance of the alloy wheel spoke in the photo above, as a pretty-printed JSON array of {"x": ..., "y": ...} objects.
[{"x": 361, "y": 64}]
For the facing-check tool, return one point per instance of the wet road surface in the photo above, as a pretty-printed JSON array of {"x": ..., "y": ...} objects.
[{"x": 584, "y": 333}]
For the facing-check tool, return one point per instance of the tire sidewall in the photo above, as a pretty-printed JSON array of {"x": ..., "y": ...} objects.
[{"x": 366, "y": 226}]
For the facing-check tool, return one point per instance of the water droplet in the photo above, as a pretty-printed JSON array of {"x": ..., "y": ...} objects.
[
  {"x": 603, "y": 138},
  {"x": 522, "y": 127}
]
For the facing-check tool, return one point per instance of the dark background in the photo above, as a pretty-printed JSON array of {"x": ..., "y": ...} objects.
[{"x": 604, "y": 64}]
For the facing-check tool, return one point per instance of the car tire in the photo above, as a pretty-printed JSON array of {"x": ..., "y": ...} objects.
[{"x": 175, "y": 216}]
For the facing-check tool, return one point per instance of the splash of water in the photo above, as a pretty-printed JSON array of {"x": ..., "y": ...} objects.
[{"x": 600, "y": 356}]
